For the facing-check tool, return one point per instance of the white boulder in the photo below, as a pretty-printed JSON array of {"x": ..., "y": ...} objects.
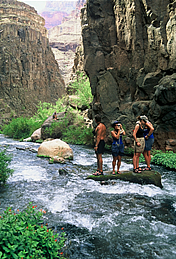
[{"x": 55, "y": 148}]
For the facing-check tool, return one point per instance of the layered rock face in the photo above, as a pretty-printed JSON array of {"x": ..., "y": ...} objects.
[
  {"x": 130, "y": 58},
  {"x": 29, "y": 72},
  {"x": 66, "y": 38}
]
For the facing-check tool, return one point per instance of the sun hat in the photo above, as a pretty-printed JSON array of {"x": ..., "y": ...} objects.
[
  {"x": 144, "y": 118},
  {"x": 113, "y": 123}
]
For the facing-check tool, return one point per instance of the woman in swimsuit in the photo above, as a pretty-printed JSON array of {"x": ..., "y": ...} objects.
[{"x": 117, "y": 145}]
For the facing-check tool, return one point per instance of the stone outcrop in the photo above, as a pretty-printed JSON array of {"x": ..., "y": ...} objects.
[
  {"x": 29, "y": 72},
  {"x": 130, "y": 58},
  {"x": 47, "y": 131},
  {"x": 55, "y": 148},
  {"x": 146, "y": 177}
]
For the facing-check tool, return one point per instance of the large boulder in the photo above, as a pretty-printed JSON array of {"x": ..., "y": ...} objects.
[
  {"x": 47, "y": 131},
  {"x": 55, "y": 148}
]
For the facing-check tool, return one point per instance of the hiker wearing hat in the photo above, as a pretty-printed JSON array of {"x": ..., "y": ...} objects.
[
  {"x": 149, "y": 140},
  {"x": 139, "y": 144},
  {"x": 117, "y": 145}
]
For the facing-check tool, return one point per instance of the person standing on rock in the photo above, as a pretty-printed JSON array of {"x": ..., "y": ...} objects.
[
  {"x": 139, "y": 144},
  {"x": 100, "y": 134},
  {"x": 117, "y": 145},
  {"x": 149, "y": 140},
  {"x": 55, "y": 116}
]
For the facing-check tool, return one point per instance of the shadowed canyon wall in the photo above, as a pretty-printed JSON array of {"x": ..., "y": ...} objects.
[
  {"x": 29, "y": 72},
  {"x": 130, "y": 58}
]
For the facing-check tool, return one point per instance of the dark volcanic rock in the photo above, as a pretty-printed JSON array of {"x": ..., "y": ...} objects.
[{"x": 130, "y": 58}]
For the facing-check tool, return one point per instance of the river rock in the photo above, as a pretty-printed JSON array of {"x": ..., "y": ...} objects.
[
  {"x": 55, "y": 148},
  {"x": 146, "y": 177},
  {"x": 36, "y": 135}
]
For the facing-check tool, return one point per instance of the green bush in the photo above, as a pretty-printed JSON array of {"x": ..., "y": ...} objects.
[
  {"x": 83, "y": 90},
  {"x": 20, "y": 128},
  {"x": 22, "y": 235},
  {"x": 78, "y": 135},
  {"x": 167, "y": 159},
  {"x": 46, "y": 109},
  {"x": 158, "y": 157},
  {"x": 5, "y": 172}
]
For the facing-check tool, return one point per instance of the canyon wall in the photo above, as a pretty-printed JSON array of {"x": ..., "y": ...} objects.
[
  {"x": 29, "y": 72},
  {"x": 130, "y": 58},
  {"x": 65, "y": 38}
]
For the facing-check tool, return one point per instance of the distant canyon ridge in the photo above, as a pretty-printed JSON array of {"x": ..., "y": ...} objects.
[{"x": 129, "y": 50}]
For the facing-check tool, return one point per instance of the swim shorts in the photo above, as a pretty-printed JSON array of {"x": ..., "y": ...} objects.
[
  {"x": 117, "y": 150},
  {"x": 101, "y": 146},
  {"x": 148, "y": 144},
  {"x": 140, "y": 149}
]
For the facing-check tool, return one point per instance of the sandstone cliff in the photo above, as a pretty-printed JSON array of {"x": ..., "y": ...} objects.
[
  {"x": 130, "y": 58},
  {"x": 29, "y": 72}
]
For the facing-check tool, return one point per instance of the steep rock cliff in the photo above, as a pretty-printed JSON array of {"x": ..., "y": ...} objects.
[
  {"x": 29, "y": 72},
  {"x": 130, "y": 58}
]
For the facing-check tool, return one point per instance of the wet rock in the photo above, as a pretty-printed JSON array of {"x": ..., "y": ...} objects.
[
  {"x": 27, "y": 139},
  {"x": 146, "y": 177},
  {"x": 57, "y": 159},
  {"x": 63, "y": 171}
]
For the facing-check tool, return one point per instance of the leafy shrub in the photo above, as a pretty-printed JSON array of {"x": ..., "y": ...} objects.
[
  {"x": 22, "y": 235},
  {"x": 5, "y": 172},
  {"x": 46, "y": 109},
  {"x": 83, "y": 90},
  {"x": 158, "y": 157},
  {"x": 20, "y": 128},
  {"x": 78, "y": 135},
  {"x": 23, "y": 127},
  {"x": 167, "y": 159}
]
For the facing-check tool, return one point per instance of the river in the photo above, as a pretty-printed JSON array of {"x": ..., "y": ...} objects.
[{"x": 117, "y": 220}]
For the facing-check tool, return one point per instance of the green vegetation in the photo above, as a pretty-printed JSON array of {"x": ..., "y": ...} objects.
[
  {"x": 71, "y": 128},
  {"x": 167, "y": 159},
  {"x": 23, "y": 235},
  {"x": 20, "y": 128},
  {"x": 5, "y": 172},
  {"x": 83, "y": 90}
]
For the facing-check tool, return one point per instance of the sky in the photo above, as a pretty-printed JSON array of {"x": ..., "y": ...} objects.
[{"x": 40, "y": 4}]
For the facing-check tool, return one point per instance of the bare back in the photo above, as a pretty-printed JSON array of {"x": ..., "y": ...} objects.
[{"x": 100, "y": 131}]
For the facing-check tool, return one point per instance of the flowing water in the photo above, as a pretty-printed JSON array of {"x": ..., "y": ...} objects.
[{"x": 117, "y": 220}]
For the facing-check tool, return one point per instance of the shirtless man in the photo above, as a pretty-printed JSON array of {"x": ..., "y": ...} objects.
[{"x": 100, "y": 134}]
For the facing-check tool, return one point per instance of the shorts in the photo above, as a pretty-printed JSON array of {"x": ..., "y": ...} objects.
[
  {"x": 117, "y": 150},
  {"x": 101, "y": 146},
  {"x": 148, "y": 144},
  {"x": 142, "y": 146}
]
